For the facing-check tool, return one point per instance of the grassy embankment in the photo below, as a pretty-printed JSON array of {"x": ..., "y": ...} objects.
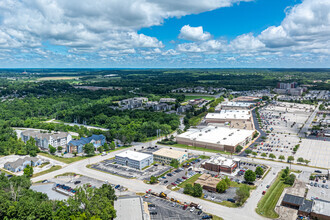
[
  {"x": 53, "y": 168},
  {"x": 268, "y": 202}
]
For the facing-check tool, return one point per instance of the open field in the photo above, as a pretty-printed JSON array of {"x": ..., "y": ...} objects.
[
  {"x": 53, "y": 168},
  {"x": 189, "y": 97},
  {"x": 56, "y": 78},
  {"x": 191, "y": 180},
  {"x": 62, "y": 159},
  {"x": 268, "y": 202}
]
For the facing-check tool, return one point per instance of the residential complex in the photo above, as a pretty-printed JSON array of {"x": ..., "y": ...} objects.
[
  {"x": 165, "y": 155},
  {"x": 43, "y": 140},
  {"x": 19, "y": 164},
  {"x": 221, "y": 164},
  {"x": 169, "y": 100},
  {"x": 134, "y": 159},
  {"x": 216, "y": 138},
  {"x": 77, "y": 145}
]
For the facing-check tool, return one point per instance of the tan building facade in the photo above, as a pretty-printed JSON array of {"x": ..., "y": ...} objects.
[{"x": 165, "y": 155}]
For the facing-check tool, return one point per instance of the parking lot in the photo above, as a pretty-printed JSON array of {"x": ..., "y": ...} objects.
[
  {"x": 127, "y": 172},
  {"x": 317, "y": 151},
  {"x": 167, "y": 210}
]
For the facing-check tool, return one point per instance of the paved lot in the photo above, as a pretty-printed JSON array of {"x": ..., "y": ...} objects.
[
  {"x": 318, "y": 152},
  {"x": 165, "y": 210},
  {"x": 128, "y": 172},
  {"x": 319, "y": 192}
]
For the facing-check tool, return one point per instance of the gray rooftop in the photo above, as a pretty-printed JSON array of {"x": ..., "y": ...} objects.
[
  {"x": 296, "y": 200},
  {"x": 306, "y": 206},
  {"x": 130, "y": 207},
  {"x": 20, "y": 161},
  {"x": 39, "y": 135},
  {"x": 321, "y": 207}
]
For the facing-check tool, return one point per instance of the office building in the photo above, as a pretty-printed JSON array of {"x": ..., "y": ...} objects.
[{"x": 134, "y": 159}]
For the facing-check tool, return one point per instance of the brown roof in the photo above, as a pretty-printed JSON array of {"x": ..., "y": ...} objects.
[{"x": 207, "y": 180}]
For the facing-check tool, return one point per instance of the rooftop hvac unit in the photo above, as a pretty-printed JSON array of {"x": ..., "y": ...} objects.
[
  {"x": 200, "y": 134},
  {"x": 224, "y": 138},
  {"x": 218, "y": 142}
]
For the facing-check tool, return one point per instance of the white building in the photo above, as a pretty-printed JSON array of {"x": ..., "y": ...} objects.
[
  {"x": 228, "y": 116},
  {"x": 216, "y": 138},
  {"x": 43, "y": 140},
  {"x": 233, "y": 106},
  {"x": 134, "y": 159},
  {"x": 165, "y": 155}
]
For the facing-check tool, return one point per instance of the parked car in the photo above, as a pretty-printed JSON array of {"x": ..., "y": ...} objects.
[
  {"x": 199, "y": 212},
  {"x": 174, "y": 184},
  {"x": 192, "y": 209},
  {"x": 166, "y": 181},
  {"x": 207, "y": 217},
  {"x": 317, "y": 171},
  {"x": 263, "y": 192},
  {"x": 77, "y": 182},
  {"x": 231, "y": 200}
]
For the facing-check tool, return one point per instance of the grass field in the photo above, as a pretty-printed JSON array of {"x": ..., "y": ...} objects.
[
  {"x": 199, "y": 148},
  {"x": 53, "y": 168},
  {"x": 56, "y": 78},
  {"x": 189, "y": 97},
  {"x": 268, "y": 202},
  {"x": 196, "y": 120},
  {"x": 6, "y": 171},
  {"x": 191, "y": 180},
  {"x": 62, "y": 159}
]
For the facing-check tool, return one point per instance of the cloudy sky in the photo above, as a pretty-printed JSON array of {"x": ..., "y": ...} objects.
[{"x": 164, "y": 33}]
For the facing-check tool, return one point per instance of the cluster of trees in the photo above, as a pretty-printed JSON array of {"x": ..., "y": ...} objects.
[
  {"x": 9, "y": 144},
  {"x": 192, "y": 115},
  {"x": 223, "y": 185},
  {"x": 242, "y": 194},
  {"x": 215, "y": 103},
  {"x": 174, "y": 163},
  {"x": 18, "y": 201},
  {"x": 287, "y": 177},
  {"x": 195, "y": 191},
  {"x": 250, "y": 176}
]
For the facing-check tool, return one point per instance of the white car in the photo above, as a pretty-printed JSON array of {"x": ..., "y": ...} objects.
[
  {"x": 103, "y": 154},
  {"x": 192, "y": 209}
]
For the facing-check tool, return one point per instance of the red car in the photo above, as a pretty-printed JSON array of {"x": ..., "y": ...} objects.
[
  {"x": 184, "y": 178},
  {"x": 263, "y": 192},
  {"x": 174, "y": 184}
]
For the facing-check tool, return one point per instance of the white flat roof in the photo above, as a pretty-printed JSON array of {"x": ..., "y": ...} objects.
[
  {"x": 223, "y": 161},
  {"x": 321, "y": 207},
  {"x": 217, "y": 135},
  {"x": 238, "y": 104},
  {"x": 230, "y": 114},
  {"x": 133, "y": 155},
  {"x": 129, "y": 208},
  {"x": 169, "y": 153}
]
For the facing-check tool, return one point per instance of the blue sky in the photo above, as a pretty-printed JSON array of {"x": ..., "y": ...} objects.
[{"x": 171, "y": 33}]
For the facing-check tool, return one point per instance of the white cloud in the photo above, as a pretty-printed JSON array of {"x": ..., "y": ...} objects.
[{"x": 194, "y": 33}]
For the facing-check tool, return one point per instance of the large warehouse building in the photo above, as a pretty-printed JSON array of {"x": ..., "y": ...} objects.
[
  {"x": 165, "y": 155},
  {"x": 216, "y": 138},
  {"x": 134, "y": 159},
  {"x": 228, "y": 116},
  {"x": 233, "y": 106}
]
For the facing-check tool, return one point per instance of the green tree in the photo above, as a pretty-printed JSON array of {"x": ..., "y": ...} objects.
[
  {"x": 197, "y": 190},
  {"x": 175, "y": 163},
  {"x": 112, "y": 145},
  {"x": 222, "y": 186},
  {"x": 259, "y": 171},
  {"x": 264, "y": 155},
  {"x": 106, "y": 147},
  {"x": 59, "y": 148},
  {"x": 250, "y": 176},
  {"x": 188, "y": 189},
  {"x": 307, "y": 162},
  {"x": 281, "y": 157},
  {"x": 89, "y": 149},
  {"x": 290, "y": 179},
  {"x": 242, "y": 194},
  {"x": 254, "y": 154},
  {"x": 238, "y": 148},
  {"x": 153, "y": 179},
  {"x": 52, "y": 149},
  {"x": 28, "y": 171},
  {"x": 272, "y": 156},
  {"x": 248, "y": 151},
  {"x": 100, "y": 149},
  {"x": 290, "y": 159},
  {"x": 300, "y": 160}
]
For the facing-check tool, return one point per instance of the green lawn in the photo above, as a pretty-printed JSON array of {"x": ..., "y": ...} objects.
[
  {"x": 189, "y": 97},
  {"x": 53, "y": 168},
  {"x": 194, "y": 121},
  {"x": 268, "y": 202},
  {"x": 199, "y": 148},
  {"x": 191, "y": 180},
  {"x": 6, "y": 171},
  {"x": 62, "y": 159}
]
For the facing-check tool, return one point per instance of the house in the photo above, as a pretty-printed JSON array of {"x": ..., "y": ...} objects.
[
  {"x": 77, "y": 145},
  {"x": 167, "y": 100},
  {"x": 21, "y": 163},
  {"x": 43, "y": 140}
]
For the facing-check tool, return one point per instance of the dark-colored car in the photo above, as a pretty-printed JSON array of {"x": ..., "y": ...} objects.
[
  {"x": 231, "y": 200},
  {"x": 153, "y": 213},
  {"x": 199, "y": 212},
  {"x": 317, "y": 171},
  {"x": 166, "y": 181},
  {"x": 207, "y": 217},
  {"x": 77, "y": 182}
]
